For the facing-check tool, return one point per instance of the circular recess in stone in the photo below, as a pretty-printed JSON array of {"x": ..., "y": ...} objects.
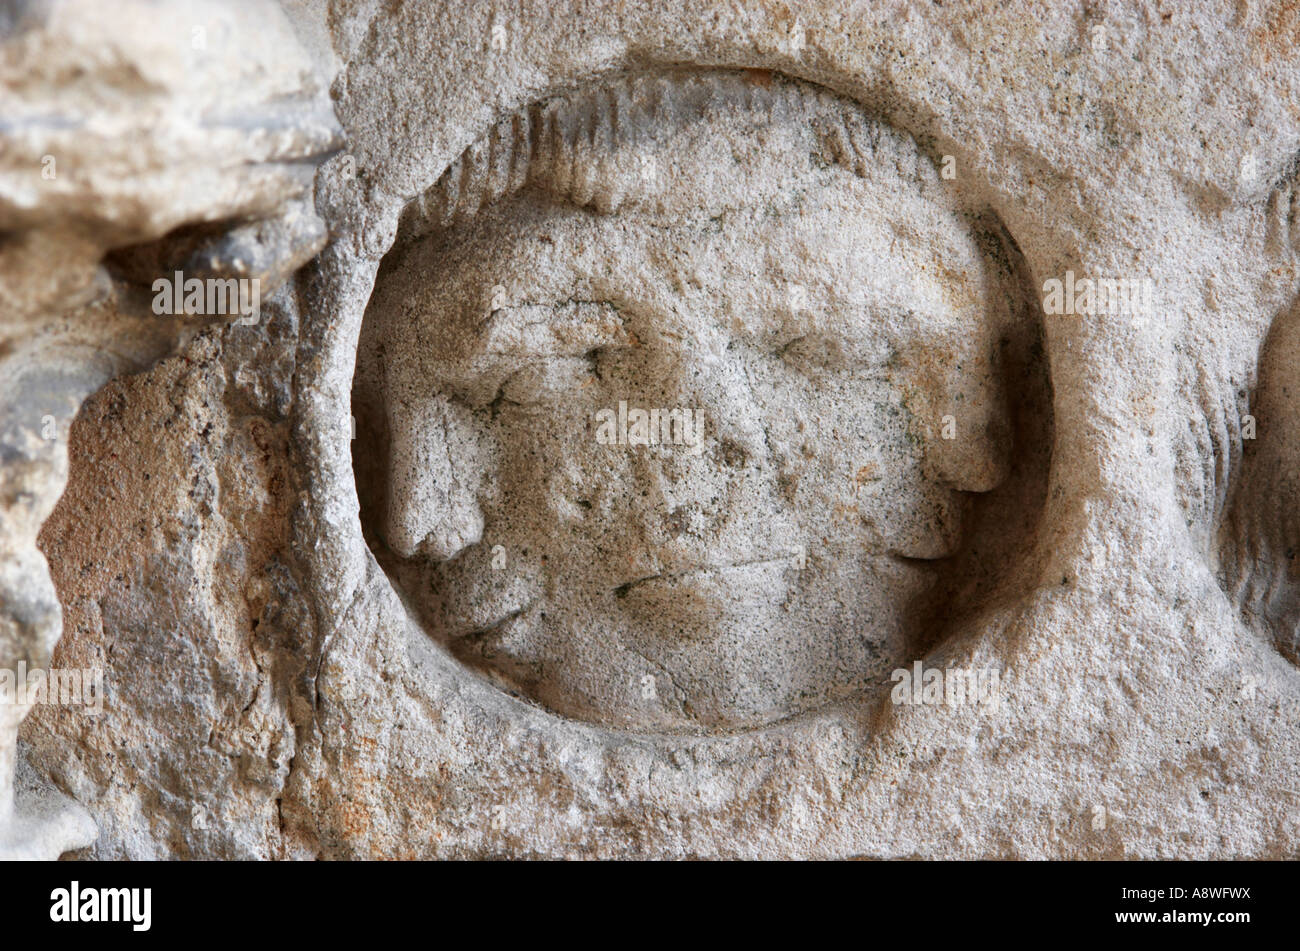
[
  {"x": 697, "y": 401},
  {"x": 1254, "y": 453}
]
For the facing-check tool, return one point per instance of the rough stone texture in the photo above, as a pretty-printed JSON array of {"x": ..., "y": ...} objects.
[
  {"x": 136, "y": 139},
  {"x": 277, "y": 605}
]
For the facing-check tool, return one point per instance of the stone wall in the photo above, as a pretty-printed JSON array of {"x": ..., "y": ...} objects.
[{"x": 973, "y": 537}]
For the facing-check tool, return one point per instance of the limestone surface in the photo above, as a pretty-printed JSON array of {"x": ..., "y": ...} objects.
[{"x": 670, "y": 430}]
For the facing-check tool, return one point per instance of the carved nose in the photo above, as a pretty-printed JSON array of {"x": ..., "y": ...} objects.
[
  {"x": 733, "y": 417},
  {"x": 704, "y": 504},
  {"x": 432, "y": 504}
]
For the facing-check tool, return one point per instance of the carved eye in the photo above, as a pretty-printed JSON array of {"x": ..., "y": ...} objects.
[
  {"x": 818, "y": 354},
  {"x": 814, "y": 353},
  {"x": 548, "y": 381}
]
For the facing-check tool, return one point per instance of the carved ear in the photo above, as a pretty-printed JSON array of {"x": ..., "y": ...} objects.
[
  {"x": 968, "y": 444},
  {"x": 435, "y": 471},
  {"x": 959, "y": 401}
]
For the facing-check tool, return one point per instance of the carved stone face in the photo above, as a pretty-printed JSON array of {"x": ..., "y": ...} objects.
[{"x": 824, "y": 335}]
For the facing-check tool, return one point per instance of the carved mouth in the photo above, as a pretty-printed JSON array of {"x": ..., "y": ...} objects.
[{"x": 701, "y": 572}]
